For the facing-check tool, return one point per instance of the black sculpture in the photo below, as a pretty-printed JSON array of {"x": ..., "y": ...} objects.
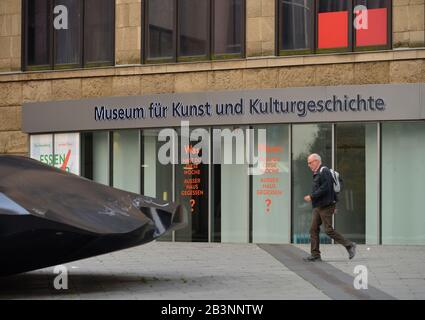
[{"x": 49, "y": 217}]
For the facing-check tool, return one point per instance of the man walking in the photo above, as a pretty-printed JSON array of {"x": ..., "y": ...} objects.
[{"x": 323, "y": 199}]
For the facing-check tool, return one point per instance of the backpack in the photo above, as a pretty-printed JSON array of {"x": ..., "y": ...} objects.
[{"x": 336, "y": 178}]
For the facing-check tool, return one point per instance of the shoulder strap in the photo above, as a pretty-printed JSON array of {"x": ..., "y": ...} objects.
[
  {"x": 323, "y": 167},
  {"x": 330, "y": 173}
]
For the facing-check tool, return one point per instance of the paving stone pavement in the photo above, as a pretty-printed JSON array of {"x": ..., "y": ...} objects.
[
  {"x": 164, "y": 270},
  {"x": 187, "y": 271},
  {"x": 397, "y": 270}
]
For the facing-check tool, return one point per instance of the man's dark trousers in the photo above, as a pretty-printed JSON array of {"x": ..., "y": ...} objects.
[{"x": 324, "y": 215}]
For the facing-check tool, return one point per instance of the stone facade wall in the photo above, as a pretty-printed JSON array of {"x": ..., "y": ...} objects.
[
  {"x": 10, "y": 35},
  {"x": 12, "y": 140},
  {"x": 408, "y": 23},
  {"x": 14, "y": 93},
  {"x": 398, "y": 66},
  {"x": 408, "y": 29},
  {"x": 260, "y": 28},
  {"x": 128, "y": 28}
]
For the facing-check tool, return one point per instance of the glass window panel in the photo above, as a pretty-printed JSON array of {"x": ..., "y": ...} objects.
[
  {"x": 307, "y": 139},
  {"x": 68, "y": 41},
  {"x": 296, "y": 24},
  {"x": 101, "y": 157},
  {"x": 271, "y": 190},
  {"x": 332, "y": 24},
  {"x": 150, "y": 164},
  {"x": 41, "y": 148},
  {"x": 193, "y": 27},
  {"x": 192, "y": 191},
  {"x": 372, "y": 4},
  {"x": 67, "y": 152},
  {"x": 228, "y": 26},
  {"x": 333, "y": 5},
  {"x": 99, "y": 31},
  {"x": 37, "y": 32},
  {"x": 355, "y": 157},
  {"x": 403, "y": 174},
  {"x": 161, "y": 33},
  {"x": 95, "y": 157},
  {"x": 157, "y": 177},
  {"x": 126, "y": 160},
  {"x": 234, "y": 193},
  {"x": 157, "y": 180},
  {"x": 374, "y": 33}
]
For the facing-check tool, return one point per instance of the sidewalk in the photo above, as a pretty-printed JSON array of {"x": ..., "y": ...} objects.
[
  {"x": 397, "y": 270},
  {"x": 164, "y": 270}
]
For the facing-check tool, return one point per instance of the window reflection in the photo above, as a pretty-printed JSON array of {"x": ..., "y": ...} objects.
[
  {"x": 68, "y": 41},
  {"x": 296, "y": 24},
  {"x": 403, "y": 174},
  {"x": 307, "y": 139},
  {"x": 157, "y": 178},
  {"x": 193, "y": 27},
  {"x": 271, "y": 190},
  {"x": 126, "y": 160},
  {"x": 227, "y": 26},
  {"x": 161, "y": 29},
  {"x": 356, "y": 153},
  {"x": 99, "y": 31},
  {"x": 37, "y": 33}
]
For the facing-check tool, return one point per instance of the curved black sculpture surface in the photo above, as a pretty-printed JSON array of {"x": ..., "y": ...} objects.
[{"x": 49, "y": 217}]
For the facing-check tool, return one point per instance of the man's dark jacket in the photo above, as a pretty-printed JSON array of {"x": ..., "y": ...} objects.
[{"x": 323, "y": 193}]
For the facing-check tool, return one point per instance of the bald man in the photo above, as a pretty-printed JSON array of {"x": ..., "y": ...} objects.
[{"x": 323, "y": 199}]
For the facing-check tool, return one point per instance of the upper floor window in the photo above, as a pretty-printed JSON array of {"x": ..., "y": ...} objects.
[
  {"x": 190, "y": 30},
  {"x": 377, "y": 32},
  {"x": 318, "y": 26},
  {"x": 61, "y": 34}
]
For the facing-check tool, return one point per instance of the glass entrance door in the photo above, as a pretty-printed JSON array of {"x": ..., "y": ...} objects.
[
  {"x": 230, "y": 185},
  {"x": 271, "y": 189},
  {"x": 157, "y": 181},
  {"x": 307, "y": 139},
  {"x": 355, "y": 157},
  {"x": 192, "y": 188},
  {"x": 356, "y": 160}
]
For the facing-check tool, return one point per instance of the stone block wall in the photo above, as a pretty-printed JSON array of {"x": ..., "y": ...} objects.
[
  {"x": 404, "y": 66},
  {"x": 260, "y": 28},
  {"x": 12, "y": 140},
  {"x": 408, "y": 29},
  {"x": 10, "y": 35},
  {"x": 408, "y": 23},
  {"x": 128, "y": 28},
  {"x": 72, "y": 85}
]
